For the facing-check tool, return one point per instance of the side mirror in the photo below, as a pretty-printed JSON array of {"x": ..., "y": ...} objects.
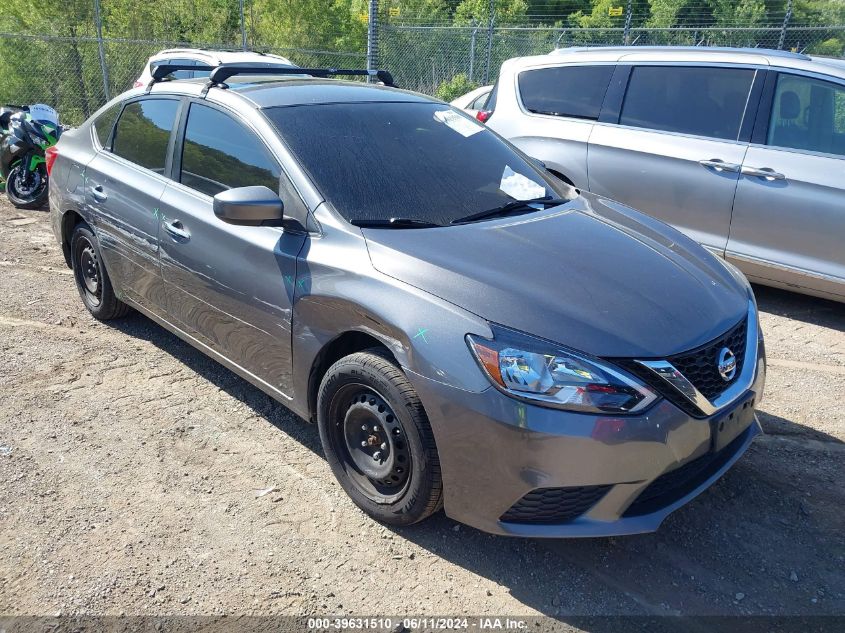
[{"x": 252, "y": 206}]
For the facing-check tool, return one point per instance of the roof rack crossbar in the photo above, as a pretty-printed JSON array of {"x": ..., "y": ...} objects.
[
  {"x": 223, "y": 72},
  {"x": 160, "y": 71}
]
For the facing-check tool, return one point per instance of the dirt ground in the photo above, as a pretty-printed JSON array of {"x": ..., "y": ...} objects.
[{"x": 131, "y": 467}]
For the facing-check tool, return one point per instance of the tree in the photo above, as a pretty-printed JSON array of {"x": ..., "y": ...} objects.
[{"x": 507, "y": 12}]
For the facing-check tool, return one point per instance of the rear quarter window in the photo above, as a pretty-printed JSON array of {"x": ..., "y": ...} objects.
[
  {"x": 104, "y": 123},
  {"x": 570, "y": 91}
]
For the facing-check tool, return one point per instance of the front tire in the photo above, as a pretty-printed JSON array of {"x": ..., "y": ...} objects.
[
  {"x": 27, "y": 193},
  {"x": 377, "y": 439},
  {"x": 92, "y": 280}
]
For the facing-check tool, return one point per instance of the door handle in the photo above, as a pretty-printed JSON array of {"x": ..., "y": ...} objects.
[
  {"x": 177, "y": 231},
  {"x": 719, "y": 165},
  {"x": 99, "y": 193},
  {"x": 763, "y": 172}
]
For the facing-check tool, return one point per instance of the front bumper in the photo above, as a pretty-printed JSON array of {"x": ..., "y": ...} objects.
[{"x": 495, "y": 450}]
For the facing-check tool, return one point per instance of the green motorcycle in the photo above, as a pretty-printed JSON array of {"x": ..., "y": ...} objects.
[{"x": 25, "y": 134}]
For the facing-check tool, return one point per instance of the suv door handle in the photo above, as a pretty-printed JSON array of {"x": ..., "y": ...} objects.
[
  {"x": 719, "y": 165},
  {"x": 763, "y": 172},
  {"x": 177, "y": 231},
  {"x": 99, "y": 193}
]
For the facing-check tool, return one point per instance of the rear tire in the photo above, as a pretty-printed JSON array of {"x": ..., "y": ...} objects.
[
  {"x": 377, "y": 439},
  {"x": 27, "y": 199},
  {"x": 92, "y": 280}
]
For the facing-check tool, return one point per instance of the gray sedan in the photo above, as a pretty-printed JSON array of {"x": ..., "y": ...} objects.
[{"x": 467, "y": 331}]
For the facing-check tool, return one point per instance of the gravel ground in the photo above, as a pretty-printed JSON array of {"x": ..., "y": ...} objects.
[{"x": 132, "y": 467}]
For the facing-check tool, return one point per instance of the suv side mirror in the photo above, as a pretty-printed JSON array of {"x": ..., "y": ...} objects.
[{"x": 252, "y": 206}]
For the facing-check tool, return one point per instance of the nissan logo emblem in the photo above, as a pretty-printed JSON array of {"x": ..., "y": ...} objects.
[{"x": 727, "y": 364}]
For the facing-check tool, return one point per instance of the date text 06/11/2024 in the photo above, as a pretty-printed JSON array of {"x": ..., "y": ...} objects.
[{"x": 417, "y": 623}]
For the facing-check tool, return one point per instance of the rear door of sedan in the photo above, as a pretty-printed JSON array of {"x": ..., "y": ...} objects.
[
  {"x": 673, "y": 143},
  {"x": 789, "y": 214},
  {"x": 231, "y": 286},
  {"x": 123, "y": 185}
]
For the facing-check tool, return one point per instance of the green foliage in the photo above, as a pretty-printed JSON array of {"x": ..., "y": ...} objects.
[
  {"x": 65, "y": 71},
  {"x": 507, "y": 12},
  {"x": 833, "y": 47},
  {"x": 453, "y": 88}
]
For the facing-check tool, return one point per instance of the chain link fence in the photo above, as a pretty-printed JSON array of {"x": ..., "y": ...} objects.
[
  {"x": 95, "y": 51},
  {"x": 421, "y": 58}
]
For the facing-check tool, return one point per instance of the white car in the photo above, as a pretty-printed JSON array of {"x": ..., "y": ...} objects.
[
  {"x": 198, "y": 57},
  {"x": 473, "y": 101}
]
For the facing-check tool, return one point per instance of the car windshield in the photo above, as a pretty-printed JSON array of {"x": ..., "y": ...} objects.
[{"x": 423, "y": 163}]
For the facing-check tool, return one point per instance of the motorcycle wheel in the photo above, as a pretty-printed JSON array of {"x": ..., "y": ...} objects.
[{"x": 27, "y": 195}]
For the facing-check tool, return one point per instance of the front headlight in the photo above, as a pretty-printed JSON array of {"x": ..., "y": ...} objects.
[{"x": 533, "y": 369}]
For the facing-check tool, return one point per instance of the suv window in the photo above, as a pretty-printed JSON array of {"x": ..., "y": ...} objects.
[
  {"x": 573, "y": 91},
  {"x": 219, "y": 153},
  {"x": 687, "y": 100},
  {"x": 104, "y": 123},
  {"x": 143, "y": 132},
  {"x": 479, "y": 101},
  {"x": 176, "y": 74},
  {"x": 808, "y": 114}
]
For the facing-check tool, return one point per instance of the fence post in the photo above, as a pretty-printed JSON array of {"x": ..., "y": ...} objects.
[
  {"x": 490, "y": 19},
  {"x": 243, "y": 24},
  {"x": 786, "y": 19},
  {"x": 626, "y": 34},
  {"x": 472, "y": 52},
  {"x": 372, "y": 37},
  {"x": 101, "y": 50}
]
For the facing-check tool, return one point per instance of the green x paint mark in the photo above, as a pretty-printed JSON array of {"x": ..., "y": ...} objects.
[
  {"x": 155, "y": 212},
  {"x": 421, "y": 334},
  {"x": 301, "y": 283},
  {"x": 289, "y": 279}
]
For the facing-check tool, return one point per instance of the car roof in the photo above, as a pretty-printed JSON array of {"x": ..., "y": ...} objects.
[
  {"x": 269, "y": 92},
  {"x": 222, "y": 57},
  {"x": 756, "y": 56}
]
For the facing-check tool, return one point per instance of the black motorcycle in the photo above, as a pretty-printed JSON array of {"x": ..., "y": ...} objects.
[{"x": 25, "y": 134}]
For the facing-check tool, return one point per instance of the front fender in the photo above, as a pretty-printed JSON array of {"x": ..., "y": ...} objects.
[{"x": 339, "y": 291}]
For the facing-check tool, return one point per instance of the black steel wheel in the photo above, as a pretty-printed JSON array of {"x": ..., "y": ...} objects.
[
  {"x": 372, "y": 442},
  {"x": 92, "y": 280},
  {"x": 378, "y": 440},
  {"x": 25, "y": 189}
]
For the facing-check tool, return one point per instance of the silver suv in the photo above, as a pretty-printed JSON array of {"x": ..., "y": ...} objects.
[
  {"x": 741, "y": 149},
  {"x": 466, "y": 330}
]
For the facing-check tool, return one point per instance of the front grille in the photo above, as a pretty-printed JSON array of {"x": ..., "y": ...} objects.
[
  {"x": 671, "y": 486},
  {"x": 700, "y": 366},
  {"x": 554, "y": 505}
]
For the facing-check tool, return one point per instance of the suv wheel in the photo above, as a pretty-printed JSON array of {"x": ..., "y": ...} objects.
[
  {"x": 377, "y": 439},
  {"x": 92, "y": 280}
]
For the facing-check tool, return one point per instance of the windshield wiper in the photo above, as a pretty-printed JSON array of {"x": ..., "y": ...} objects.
[
  {"x": 523, "y": 206},
  {"x": 394, "y": 223}
]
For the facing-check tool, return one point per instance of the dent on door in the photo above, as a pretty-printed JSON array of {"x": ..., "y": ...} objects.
[{"x": 232, "y": 286}]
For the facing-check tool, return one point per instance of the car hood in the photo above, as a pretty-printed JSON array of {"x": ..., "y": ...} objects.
[{"x": 592, "y": 274}]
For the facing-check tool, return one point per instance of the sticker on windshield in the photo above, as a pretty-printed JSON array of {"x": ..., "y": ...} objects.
[
  {"x": 520, "y": 187},
  {"x": 458, "y": 122}
]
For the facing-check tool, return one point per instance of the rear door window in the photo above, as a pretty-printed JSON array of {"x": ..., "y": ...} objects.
[
  {"x": 143, "y": 132},
  {"x": 688, "y": 100},
  {"x": 219, "y": 154},
  {"x": 808, "y": 114},
  {"x": 571, "y": 91}
]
